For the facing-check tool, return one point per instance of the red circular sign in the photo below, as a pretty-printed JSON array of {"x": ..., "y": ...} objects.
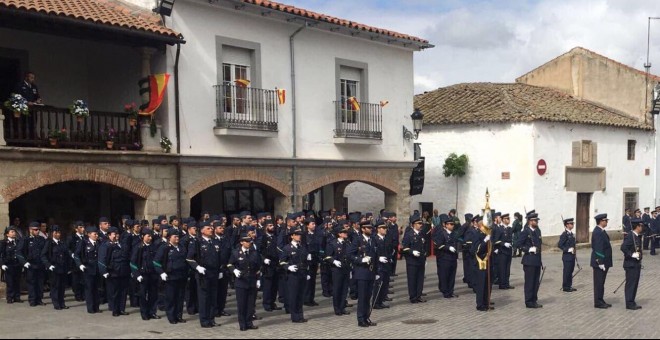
[{"x": 542, "y": 167}]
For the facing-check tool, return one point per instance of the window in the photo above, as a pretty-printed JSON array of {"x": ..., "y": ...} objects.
[
  {"x": 349, "y": 88},
  {"x": 630, "y": 200},
  {"x": 631, "y": 149},
  {"x": 235, "y": 96}
]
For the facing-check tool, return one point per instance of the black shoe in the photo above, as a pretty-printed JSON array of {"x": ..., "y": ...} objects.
[
  {"x": 420, "y": 300},
  {"x": 567, "y": 290},
  {"x": 534, "y": 306},
  {"x": 124, "y": 313},
  {"x": 255, "y": 317},
  {"x": 115, "y": 314},
  {"x": 327, "y": 295},
  {"x": 155, "y": 317},
  {"x": 243, "y": 329},
  {"x": 252, "y": 327},
  {"x": 371, "y": 324},
  {"x": 363, "y": 324},
  {"x": 345, "y": 312},
  {"x": 223, "y": 313},
  {"x": 339, "y": 314},
  {"x": 601, "y": 306},
  {"x": 181, "y": 321},
  {"x": 10, "y": 301},
  {"x": 349, "y": 305},
  {"x": 573, "y": 289},
  {"x": 353, "y": 298},
  {"x": 174, "y": 322},
  {"x": 379, "y": 307},
  {"x": 634, "y": 307},
  {"x": 300, "y": 321},
  {"x": 207, "y": 326},
  {"x": 145, "y": 318},
  {"x": 269, "y": 310},
  {"x": 482, "y": 309},
  {"x": 387, "y": 299},
  {"x": 18, "y": 301},
  {"x": 58, "y": 308},
  {"x": 64, "y": 307},
  {"x": 277, "y": 308},
  {"x": 414, "y": 301},
  {"x": 608, "y": 305},
  {"x": 423, "y": 294}
]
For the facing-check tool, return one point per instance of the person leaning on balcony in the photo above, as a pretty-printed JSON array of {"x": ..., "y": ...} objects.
[{"x": 29, "y": 90}]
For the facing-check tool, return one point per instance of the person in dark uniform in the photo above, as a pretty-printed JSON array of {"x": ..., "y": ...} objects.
[
  {"x": 269, "y": 277},
  {"x": 294, "y": 259},
  {"x": 496, "y": 230},
  {"x": 131, "y": 239},
  {"x": 463, "y": 237},
  {"x": 337, "y": 253},
  {"x": 517, "y": 229},
  {"x": 204, "y": 259},
  {"x": 311, "y": 240},
  {"x": 414, "y": 248},
  {"x": 77, "y": 276},
  {"x": 87, "y": 259},
  {"x": 170, "y": 264},
  {"x": 363, "y": 255},
  {"x": 394, "y": 234},
  {"x": 504, "y": 246},
  {"x": 29, "y": 90},
  {"x": 567, "y": 245},
  {"x": 224, "y": 276},
  {"x": 651, "y": 231},
  {"x": 57, "y": 259},
  {"x": 481, "y": 250},
  {"x": 144, "y": 273},
  {"x": 383, "y": 266},
  {"x": 446, "y": 257},
  {"x": 10, "y": 265},
  {"x": 601, "y": 260},
  {"x": 632, "y": 262},
  {"x": 190, "y": 241},
  {"x": 326, "y": 235},
  {"x": 245, "y": 264},
  {"x": 114, "y": 266},
  {"x": 30, "y": 258},
  {"x": 530, "y": 243},
  {"x": 283, "y": 239}
]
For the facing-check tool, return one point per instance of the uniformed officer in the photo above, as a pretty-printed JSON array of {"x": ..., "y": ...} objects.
[
  {"x": 224, "y": 276},
  {"x": 269, "y": 277},
  {"x": 190, "y": 241},
  {"x": 87, "y": 259},
  {"x": 652, "y": 229},
  {"x": 170, "y": 264},
  {"x": 204, "y": 258},
  {"x": 10, "y": 265},
  {"x": 383, "y": 264},
  {"x": 144, "y": 273},
  {"x": 77, "y": 276},
  {"x": 463, "y": 236},
  {"x": 313, "y": 243},
  {"x": 130, "y": 239},
  {"x": 495, "y": 257},
  {"x": 30, "y": 258},
  {"x": 337, "y": 253},
  {"x": 530, "y": 243},
  {"x": 601, "y": 259},
  {"x": 446, "y": 256},
  {"x": 567, "y": 245},
  {"x": 632, "y": 262},
  {"x": 29, "y": 90},
  {"x": 114, "y": 266},
  {"x": 326, "y": 235},
  {"x": 57, "y": 259},
  {"x": 394, "y": 234},
  {"x": 245, "y": 264},
  {"x": 504, "y": 246},
  {"x": 294, "y": 259},
  {"x": 283, "y": 239},
  {"x": 363, "y": 255},
  {"x": 414, "y": 248},
  {"x": 481, "y": 250},
  {"x": 517, "y": 229}
]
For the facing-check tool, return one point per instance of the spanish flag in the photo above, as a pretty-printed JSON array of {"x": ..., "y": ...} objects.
[
  {"x": 355, "y": 106},
  {"x": 242, "y": 82},
  {"x": 281, "y": 96},
  {"x": 384, "y": 103},
  {"x": 157, "y": 86}
]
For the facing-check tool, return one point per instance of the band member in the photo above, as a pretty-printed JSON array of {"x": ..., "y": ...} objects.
[
  {"x": 363, "y": 256},
  {"x": 632, "y": 262},
  {"x": 446, "y": 254},
  {"x": 601, "y": 260},
  {"x": 567, "y": 245},
  {"x": 414, "y": 248},
  {"x": 530, "y": 242}
]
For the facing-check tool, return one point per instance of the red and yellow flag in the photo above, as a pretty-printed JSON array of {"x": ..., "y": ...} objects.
[
  {"x": 242, "y": 82},
  {"x": 355, "y": 106},
  {"x": 281, "y": 96},
  {"x": 157, "y": 86}
]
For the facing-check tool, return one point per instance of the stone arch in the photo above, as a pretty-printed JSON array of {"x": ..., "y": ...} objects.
[
  {"x": 31, "y": 182},
  {"x": 383, "y": 182},
  {"x": 230, "y": 175}
]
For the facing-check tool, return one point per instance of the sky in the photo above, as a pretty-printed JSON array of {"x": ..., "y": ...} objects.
[{"x": 498, "y": 41}]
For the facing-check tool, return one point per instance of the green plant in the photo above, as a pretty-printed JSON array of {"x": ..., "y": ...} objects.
[
  {"x": 17, "y": 103},
  {"x": 456, "y": 166},
  {"x": 166, "y": 144},
  {"x": 79, "y": 109},
  {"x": 132, "y": 110},
  {"x": 60, "y": 135}
]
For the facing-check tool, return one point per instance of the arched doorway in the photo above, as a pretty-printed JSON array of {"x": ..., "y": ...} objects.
[
  {"x": 346, "y": 196},
  {"x": 235, "y": 196}
]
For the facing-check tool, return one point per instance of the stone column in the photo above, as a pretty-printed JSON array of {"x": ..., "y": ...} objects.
[
  {"x": 2, "y": 129},
  {"x": 4, "y": 219},
  {"x": 282, "y": 205}
]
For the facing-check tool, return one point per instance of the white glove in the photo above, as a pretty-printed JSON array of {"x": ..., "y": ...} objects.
[
  {"x": 508, "y": 245},
  {"x": 258, "y": 284},
  {"x": 383, "y": 259},
  {"x": 377, "y": 277},
  {"x": 51, "y": 268},
  {"x": 106, "y": 275},
  {"x": 309, "y": 257},
  {"x": 366, "y": 259},
  {"x": 571, "y": 250},
  {"x": 452, "y": 249},
  {"x": 337, "y": 263},
  {"x": 237, "y": 273},
  {"x": 293, "y": 269},
  {"x": 82, "y": 268},
  {"x": 532, "y": 250},
  {"x": 27, "y": 265},
  {"x": 635, "y": 256},
  {"x": 416, "y": 253},
  {"x": 163, "y": 276},
  {"x": 139, "y": 279},
  {"x": 487, "y": 238},
  {"x": 267, "y": 262},
  {"x": 602, "y": 267},
  {"x": 309, "y": 277},
  {"x": 5, "y": 268},
  {"x": 221, "y": 276},
  {"x": 201, "y": 270}
]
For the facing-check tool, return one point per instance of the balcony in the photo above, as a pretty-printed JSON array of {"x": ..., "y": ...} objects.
[
  {"x": 245, "y": 111},
  {"x": 89, "y": 133},
  {"x": 358, "y": 127}
]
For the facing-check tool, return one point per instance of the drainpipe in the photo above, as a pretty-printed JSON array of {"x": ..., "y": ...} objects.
[
  {"x": 177, "y": 111},
  {"x": 294, "y": 184}
]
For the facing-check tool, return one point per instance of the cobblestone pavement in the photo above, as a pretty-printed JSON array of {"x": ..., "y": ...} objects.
[{"x": 564, "y": 315}]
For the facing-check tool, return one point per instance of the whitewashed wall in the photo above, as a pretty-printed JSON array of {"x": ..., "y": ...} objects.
[{"x": 364, "y": 198}]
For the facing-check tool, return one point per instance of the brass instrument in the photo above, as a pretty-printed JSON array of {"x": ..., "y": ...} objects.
[{"x": 485, "y": 228}]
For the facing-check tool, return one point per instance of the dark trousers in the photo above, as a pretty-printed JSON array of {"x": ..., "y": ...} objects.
[
  {"x": 310, "y": 285},
  {"x": 482, "y": 287},
  {"x": 117, "y": 288},
  {"x": 282, "y": 289},
  {"x": 13, "y": 278},
  {"x": 174, "y": 294},
  {"x": 57, "y": 288},
  {"x": 244, "y": 298},
  {"x": 365, "y": 290},
  {"x": 532, "y": 278},
  {"x": 326, "y": 280},
  {"x": 207, "y": 292},
  {"x": 654, "y": 245},
  {"x": 569, "y": 267},
  {"x": 647, "y": 241},
  {"x": 192, "y": 295},
  {"x": 632, "y": 282},
  {"x": 148, "y": 291},
  {"x": 134, "y": 293},
  {"x": 467, "y": 269},
  {"x": 494, "y": 269},
  {"x": 223, "y": 288},
  {"x": 504, "y": 268},
  {"x": 395, "y": 259},
  {"x": 35, "y": 282},
  {"x": 340, "y": 280},
  {"x": 92, "y": 295},
  {"x": 78, "y": 284},
  {"x": 103, "y": 291},
  {"x": 415, "y": 281},
  {"x": 446, "y": 276},
  {"x": 599, "y": 285},
  {"x": 381, "y": 287},
  {"x": 269, "y": 290},
  {"x": 353, "y": 288},
  {"x": 296, "y": 284}
]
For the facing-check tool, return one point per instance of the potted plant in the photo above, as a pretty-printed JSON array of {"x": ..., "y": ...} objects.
[
  {"x": 132, "y": 111},
  {"x": 166, "y": 144},
  {"x": 18, "y": 105},
  {"x": 55, "y": 136},
  {"x": 80, "y": 110},
  {"x": 109, "y": 135}
]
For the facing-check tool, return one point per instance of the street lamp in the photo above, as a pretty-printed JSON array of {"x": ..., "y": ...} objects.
[
  {"x": 655, "y": 105},
  {"x": 165, "y": 7},
  {"x": 418, "y": 122}
]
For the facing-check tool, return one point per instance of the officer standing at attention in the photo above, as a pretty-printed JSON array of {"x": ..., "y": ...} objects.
[
  {"x": 632, "y": 262},
  {"x": 245, "y": 263},
  {"x": 10, "y": 265},
  {"x": 170, "y": 264},
  {"x": 337, "y": 253},
  {"x": 362, "y": 253},
  {"x": 30, "y": 258},
  {"x": 446, "y": 256},
  {"x": 142, "y": 266},
  {"x": 414, "y": 248},
  {"x": 601, "y": 260},
  {"x": 530, "y": 243},
  {"x": 481, "y": 250},
  {"x": 294, "y": 259},
  {"x": 77, "y": 277},
  {"x": 224, "y": 277},
  {"x": 114, "y": 266},
  {"x": 204, "y": 258},
  {"x": 504, "y": 244},
  {"x": 87, "y": 259},
  {"x": 383, "y": 266},
  {"x": 269, "y": 277},
  {"x": 57, "y": 259},
  {"x": 567, "y": 245}
]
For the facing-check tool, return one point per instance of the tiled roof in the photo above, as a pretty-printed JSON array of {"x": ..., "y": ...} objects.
[
  {"x": 330, "y": 19},
  {"x": 102, "y": 12},
  {"x": 502, "y": 103}
]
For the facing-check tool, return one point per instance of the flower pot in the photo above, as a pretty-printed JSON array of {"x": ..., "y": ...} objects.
[
  {"x": 80, "y": 119},
  {"x": 132, "y": 122},
  {"x": 109, "y": 144},
  {"x": 17, "y": 114},
  {"x": 53, "y": 142}
]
